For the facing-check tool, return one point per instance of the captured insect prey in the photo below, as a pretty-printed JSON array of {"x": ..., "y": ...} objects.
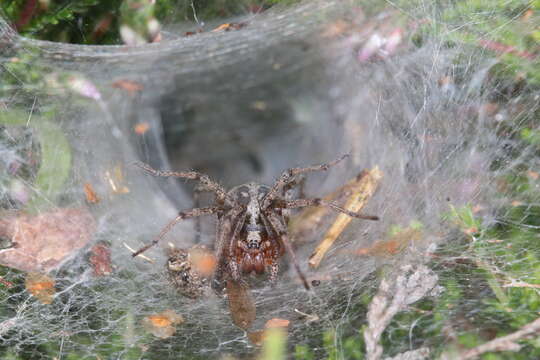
[{"x": 252, "y": 218}]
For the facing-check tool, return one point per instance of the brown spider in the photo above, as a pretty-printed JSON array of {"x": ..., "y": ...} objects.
[{"x": 252, "y": 222}]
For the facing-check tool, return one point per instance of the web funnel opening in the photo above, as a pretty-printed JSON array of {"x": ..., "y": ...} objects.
[{"x": 289, "y": 89}]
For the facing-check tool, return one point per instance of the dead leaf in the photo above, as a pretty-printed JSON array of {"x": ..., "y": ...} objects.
[
  {"x": 91, "y": 196},
  {"x": 162, "y": 325},
  {"x": 277, "y": 323},
  {"x": 256, "y": 337},
  {"x": 241, "y": 305},
  {"x": 393, "y": 246},
  {"x": 533, "y": 175},
  {"x": 132, "y": 87},
  {"x": 190, "y": 33},
  {"x": 43, "y": 242},
  {"x": 41, "y": 286},
  {"x": 230, "y": 26},
  {"x": 100, "y": 259},
  {"x": 336, "y": 28},
  {"x": 141, "y": 128}
]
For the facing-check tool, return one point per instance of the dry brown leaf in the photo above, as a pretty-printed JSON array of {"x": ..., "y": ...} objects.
[
  {"x": 277, "y": 323},
  {"x": 100, "y": 259},
  {"x": 41, "y": 286},
  {"x": 132, "y": 87},
  {"x": 533, "y": 175},
  {"x": 43, "y": 242},
  {"x": 230, "y": 26},
  {"x": 256, "y": 337},
  {"x": 241, "y": 304},
  {"x": 336, "y": 28},
  {"x": 91, "y": 196},
  {"x": 162, "y": 325},
  {"x": 393, "y": 246}
]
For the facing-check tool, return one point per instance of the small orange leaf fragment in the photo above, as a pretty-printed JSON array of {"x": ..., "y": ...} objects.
[
  {"x": 203, "y": 261},
  {"x": 162, "y": 325},
  {"x": 276, "y": 323},
  {"x": 91, "y": 196},
  {"x": 256, "y": 337},
  {"x": 141, "y": 128},
  {"x": 41, "y": 286},
  {"x": 130, "y": 86},
  {"x": 533, "y": 175},
  {"x": 230, "y": 26},
  {"x": 100, "y": 259}
]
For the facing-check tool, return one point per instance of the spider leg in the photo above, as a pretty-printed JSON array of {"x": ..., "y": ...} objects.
[
  {"x": 223, "y": 240},
  {"x": 197, "y": 203},
  {"x": 288, "y": 194},
  {"x": 203, "y": 179},
  {"x": 297, "y": 203},
  {"x": 233, "y": 265},
  {"x": 288, "y": 176},
  {"x": 281, "y": 230},
  {"x": 274, "y": 270},
  {"x": 181, "y": 216}
]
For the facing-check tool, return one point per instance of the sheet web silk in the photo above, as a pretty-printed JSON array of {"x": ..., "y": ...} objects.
[{"x": 288, "y": 89}]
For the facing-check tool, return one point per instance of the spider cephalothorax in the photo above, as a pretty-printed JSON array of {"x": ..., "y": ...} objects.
[{"x": 252, "y": 222}]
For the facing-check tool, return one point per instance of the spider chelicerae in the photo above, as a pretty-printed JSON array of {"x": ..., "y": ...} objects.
[{"x": 252, "y": 222}]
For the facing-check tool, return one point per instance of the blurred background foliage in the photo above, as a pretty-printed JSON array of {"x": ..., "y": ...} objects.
[{"x": 97, "y": 21}]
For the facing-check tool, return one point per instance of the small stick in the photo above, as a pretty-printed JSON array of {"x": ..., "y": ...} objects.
[
  {"x": 303, "y": 224},
  {"x": 139, "y": 255},
  {"x": 365, "y": 188},
  {"x": 503, "y": 343}
]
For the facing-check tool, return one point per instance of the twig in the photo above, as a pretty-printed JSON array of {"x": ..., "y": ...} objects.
[
  {"x": 309, "y": 318},
  {"x": 518, "y": 283},
  {"x": 418, "y": 354},
  {"x": 504, "y": 343},
  {"x": 365, "y": 188},
  {"x": 393, "y": 296},
  {"x": 309, "y": 219},
  {"x": 140, "y": 255}
]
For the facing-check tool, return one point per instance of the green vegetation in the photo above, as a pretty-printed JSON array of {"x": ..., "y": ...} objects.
[
  {"x": 98, "y": 22},
  {"x": 499, "y": 261}
]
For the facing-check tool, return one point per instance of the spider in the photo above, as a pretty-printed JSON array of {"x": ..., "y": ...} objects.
[{"x": 252, "y": 222}]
